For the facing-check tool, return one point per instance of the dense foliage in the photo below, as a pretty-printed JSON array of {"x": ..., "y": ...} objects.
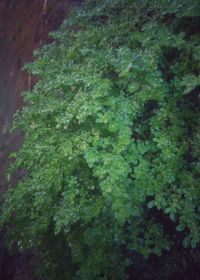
[{"x": 112, "y": 140}]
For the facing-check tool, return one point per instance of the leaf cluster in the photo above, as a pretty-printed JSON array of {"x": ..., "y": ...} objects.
[{"x": 111, "y": 133}]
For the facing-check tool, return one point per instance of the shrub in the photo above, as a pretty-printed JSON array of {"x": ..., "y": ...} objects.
[{"x": 111, "y": 136}]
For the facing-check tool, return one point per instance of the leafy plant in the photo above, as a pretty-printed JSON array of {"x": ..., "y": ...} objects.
[{"x": 111, "y": 132}]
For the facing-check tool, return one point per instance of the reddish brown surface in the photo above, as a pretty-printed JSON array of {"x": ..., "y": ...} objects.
[{"x": 24, "y": 26}]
